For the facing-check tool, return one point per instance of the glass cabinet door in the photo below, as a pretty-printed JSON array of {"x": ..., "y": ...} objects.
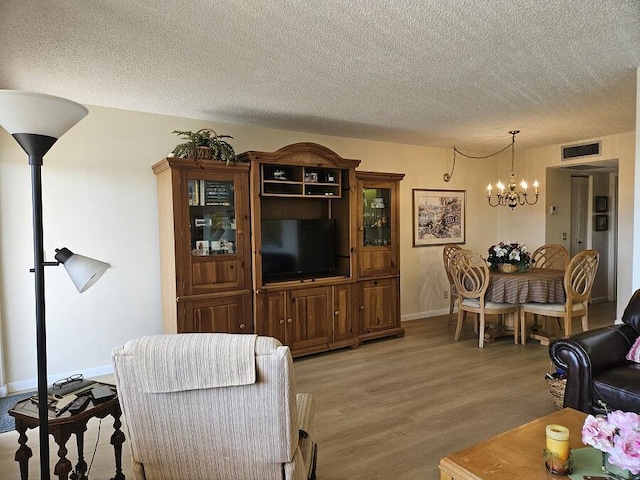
[
  {"x": 212, "y": 217},
  {"x": 376, "y": 209}
]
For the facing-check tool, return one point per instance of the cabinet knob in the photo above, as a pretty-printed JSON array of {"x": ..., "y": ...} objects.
[
  {"x": 242, "y": 326},
  {"x": 361, "y": 307},
  {"x": 238, "y": 232},
  {"x": 336, "y": 313},
  {"x": 360, "y": 229},
  {"x": 289, "y": 320},
  {"x": 282, "y": 322}
]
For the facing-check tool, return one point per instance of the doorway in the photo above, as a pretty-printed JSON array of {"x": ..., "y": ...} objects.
[
  {"x": 580, "y": 187},
  {"x": 575, "y": 220}
]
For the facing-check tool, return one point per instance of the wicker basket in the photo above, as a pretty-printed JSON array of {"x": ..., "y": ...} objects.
[
  {"x": 557, "y": 387},
  {"x": 507, "y": 268},
  {"x": 202, "y": 153}
]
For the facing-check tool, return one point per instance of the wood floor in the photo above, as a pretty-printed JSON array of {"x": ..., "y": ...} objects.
[{"x": 393, "y": 407}]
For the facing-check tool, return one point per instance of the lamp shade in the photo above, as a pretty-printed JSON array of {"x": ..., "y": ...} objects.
[
  {"x": 38, "y": 114},
  {"x": 229, "y": 235},
  {"x": 84, "y": 271}
]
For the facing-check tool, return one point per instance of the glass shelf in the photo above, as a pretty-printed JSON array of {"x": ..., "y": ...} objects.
[
  {"x": 376, "y": 219},
  {"x": 212, "y": 217}
]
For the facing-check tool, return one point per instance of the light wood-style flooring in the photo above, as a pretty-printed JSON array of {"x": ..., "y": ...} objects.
[{"x": 393, "y": 407}]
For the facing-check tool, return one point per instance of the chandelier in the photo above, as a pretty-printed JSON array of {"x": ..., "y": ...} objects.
[{"x": 509, "y": 195}]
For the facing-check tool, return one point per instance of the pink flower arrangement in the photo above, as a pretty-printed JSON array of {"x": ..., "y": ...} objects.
[{"x": 618, "y": 434}]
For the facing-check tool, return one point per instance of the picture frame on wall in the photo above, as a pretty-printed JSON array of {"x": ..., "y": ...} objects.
[
  {"x": 601, "y": 204},
  {"x": 438, "y": 217},
  {"x": 601, "y": 223}
]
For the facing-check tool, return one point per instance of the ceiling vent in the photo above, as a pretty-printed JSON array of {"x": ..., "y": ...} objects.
[{"x": 579, "y": 151}]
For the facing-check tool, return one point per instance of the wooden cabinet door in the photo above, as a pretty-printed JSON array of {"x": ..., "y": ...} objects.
[
  {"x": 343, "y": 314},
  {"x": 309, "y": 317},
  {"x": 271, "y": 315},
  {"x": 379, "y": 307},
  {"x": 378, "y": 227},
  {"x": 229, "y": 314},
  {"x": 214, "y": 242}
]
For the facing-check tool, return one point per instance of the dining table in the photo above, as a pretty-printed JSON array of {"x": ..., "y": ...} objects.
[{"x": 539, "y": 285}]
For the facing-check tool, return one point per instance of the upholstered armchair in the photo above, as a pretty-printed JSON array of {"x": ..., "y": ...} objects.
[
  {"x": 597, "y": 370},
  {"x": 214, "y": 406}
]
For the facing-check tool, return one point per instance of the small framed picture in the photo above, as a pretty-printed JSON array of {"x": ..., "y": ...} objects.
[
  {"x": 601, "y": 223},
  {"x": 601, "y": 204}
]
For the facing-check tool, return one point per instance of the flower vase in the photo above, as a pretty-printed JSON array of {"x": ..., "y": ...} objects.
[{"x": 616, "y": 472}]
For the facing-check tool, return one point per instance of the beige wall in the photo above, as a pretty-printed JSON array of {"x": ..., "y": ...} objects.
[
  {"x": 531, "y": 227},
  {"x": 100, "y": 200}
]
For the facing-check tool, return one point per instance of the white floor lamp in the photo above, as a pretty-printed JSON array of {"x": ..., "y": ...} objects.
[{"x": 36, "y": 121}]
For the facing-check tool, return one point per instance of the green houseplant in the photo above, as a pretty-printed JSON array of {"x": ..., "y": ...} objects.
[{"x": 205, "y": 144}]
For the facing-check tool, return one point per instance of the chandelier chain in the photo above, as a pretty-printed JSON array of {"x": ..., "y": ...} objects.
[{"x": 455, "y": 150}]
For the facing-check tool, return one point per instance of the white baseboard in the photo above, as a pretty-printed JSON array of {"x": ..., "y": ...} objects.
[
  {"x": 429, "y": 314},
  {"x": 32, "y": 383}
]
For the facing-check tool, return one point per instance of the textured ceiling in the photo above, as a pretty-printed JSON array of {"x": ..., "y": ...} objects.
[{"x": 429, "y": 72}]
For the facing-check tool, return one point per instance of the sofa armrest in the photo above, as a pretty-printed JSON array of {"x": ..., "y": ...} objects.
[{"x": 585, "y": 355}]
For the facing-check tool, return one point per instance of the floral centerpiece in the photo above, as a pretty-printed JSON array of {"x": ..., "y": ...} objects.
[
  {"x": 509, "y": 253},
  {"x": 617, "y": 436}
]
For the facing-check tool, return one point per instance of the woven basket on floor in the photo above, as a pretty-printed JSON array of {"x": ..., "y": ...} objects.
[{"x": 557, "y": 387}]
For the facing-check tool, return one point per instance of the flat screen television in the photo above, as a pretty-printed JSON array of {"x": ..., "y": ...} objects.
[{"x": 293, "y": 249}]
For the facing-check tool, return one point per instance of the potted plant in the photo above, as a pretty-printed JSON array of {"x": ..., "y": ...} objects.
[{"x": 205, "y": 144}]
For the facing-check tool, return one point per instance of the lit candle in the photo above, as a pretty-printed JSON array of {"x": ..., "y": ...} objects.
[
  {"x": 535, "y": 185},
  {"x": 558, "y": 448},
  {"x": 489, "y": 187},
  {"x": 524, "y": 185},
  {"x": 500, "y": 186}
]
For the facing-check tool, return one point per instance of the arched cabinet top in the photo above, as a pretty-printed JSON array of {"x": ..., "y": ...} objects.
[{"x": 303, "y": 153}]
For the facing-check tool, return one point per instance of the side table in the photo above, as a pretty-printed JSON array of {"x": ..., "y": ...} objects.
[{"x": 25, "y": 414}]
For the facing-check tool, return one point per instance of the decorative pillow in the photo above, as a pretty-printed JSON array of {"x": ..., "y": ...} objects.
[{"x": 634, "y": 353}]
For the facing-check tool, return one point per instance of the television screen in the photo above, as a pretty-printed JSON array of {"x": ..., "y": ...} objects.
[{"x": 298, "y": 249}]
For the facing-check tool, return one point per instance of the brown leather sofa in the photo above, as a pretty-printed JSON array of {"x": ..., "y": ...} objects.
[{"x": 597, "y": 370}]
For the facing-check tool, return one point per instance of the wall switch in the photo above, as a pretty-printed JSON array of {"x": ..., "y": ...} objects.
[
  {"x": 446, "y": 294},
  {"x": 564, "y": 235},
  {"x": 553, "y": 210}
]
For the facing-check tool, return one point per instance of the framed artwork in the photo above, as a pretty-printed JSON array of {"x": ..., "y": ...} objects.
[
  {"x": 601, "y": 223},
  {"x": 601, "y": 204},
  {"x": 438, "y": 217}
]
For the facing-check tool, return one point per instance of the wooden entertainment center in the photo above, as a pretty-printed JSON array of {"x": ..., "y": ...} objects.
[{"x": 222, "y": 271}]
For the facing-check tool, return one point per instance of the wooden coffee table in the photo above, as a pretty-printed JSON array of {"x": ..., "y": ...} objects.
[{"x": 513, "y": 454}]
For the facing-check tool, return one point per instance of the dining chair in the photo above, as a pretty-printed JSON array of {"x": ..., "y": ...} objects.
[
  {"x": 578, "y": 282},
  {"x": 550, "y": 256},
  {"x": 447, "y": 253},
  {"x": 471, "y": 276}
]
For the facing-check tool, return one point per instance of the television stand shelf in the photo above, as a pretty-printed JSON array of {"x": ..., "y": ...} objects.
[{"x": 304, "y": 181}]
